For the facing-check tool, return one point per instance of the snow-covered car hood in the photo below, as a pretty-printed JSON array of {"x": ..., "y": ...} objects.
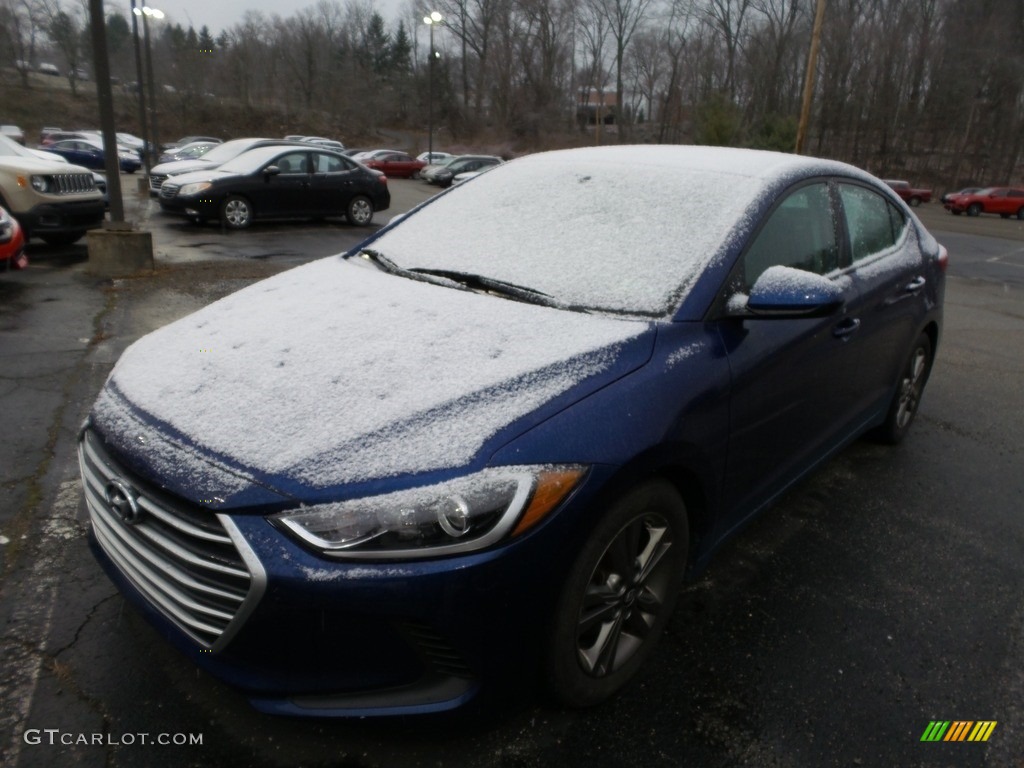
[
  {"x": 178, "y": 167},
  {"x": 207, "y": 174},
  {"x": 334, "y": 373}
]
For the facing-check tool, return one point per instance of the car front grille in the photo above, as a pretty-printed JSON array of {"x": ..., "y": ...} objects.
[
  {"x": 168, "y": 190},
  {"x": 73, "y": 183},
  {"x": 191, "y": 565},
  {"x": 156, "y": 180}
]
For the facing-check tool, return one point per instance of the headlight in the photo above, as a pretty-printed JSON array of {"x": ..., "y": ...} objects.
[
  {"x": 41, "y": 183},
  {"x": 461, "y": 515},
  {"x": 194, "y": 189}
]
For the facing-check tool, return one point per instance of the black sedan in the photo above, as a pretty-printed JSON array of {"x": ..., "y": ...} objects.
[{"x": 278, "y": 183}]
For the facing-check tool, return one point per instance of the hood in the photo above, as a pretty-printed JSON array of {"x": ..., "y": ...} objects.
[
  {"x": 181, "y": 166},
  {"x": 335, "y": 374},
  {"x": 207, "y": 174},
  {"x": 41, "y": 165}
]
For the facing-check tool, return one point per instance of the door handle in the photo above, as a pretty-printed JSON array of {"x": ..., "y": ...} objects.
[
  {"x": 914, "y": 285},
  {"x": 847, "y": 327}
]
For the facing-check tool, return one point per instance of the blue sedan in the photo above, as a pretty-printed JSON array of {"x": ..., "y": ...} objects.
[
  {"x": 485, "y": 448},
  {"x": 90, "y": 153}
]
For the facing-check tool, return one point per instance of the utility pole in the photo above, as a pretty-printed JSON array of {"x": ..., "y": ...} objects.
[
  {"x": 812, "y": 66},
  {"x": 105, "y": 99}
]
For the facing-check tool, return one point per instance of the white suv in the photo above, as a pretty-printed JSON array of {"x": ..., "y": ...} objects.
[{"x": 51, "y": 199}]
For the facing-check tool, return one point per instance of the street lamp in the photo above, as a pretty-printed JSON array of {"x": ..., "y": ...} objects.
[
  {"x": 143, "y": 123},
  {"x": 146, "y": 13},
  {"x": 431, "y": 21}
]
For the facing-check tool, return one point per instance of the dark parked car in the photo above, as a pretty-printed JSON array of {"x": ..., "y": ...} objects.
[
  {"x": 188, "y": 140},
  {"x": 1005, "y": 201},
  {"x": 397, "y": 164},
  {"x": 278, "y": 183},
  {"x": 90, "y": 154},
  {"x": 444, "y": 175},
  {"x": 219, "y": 155},
  {"x": 191, "y": 151},
  {"x": 471, "y": 454}
]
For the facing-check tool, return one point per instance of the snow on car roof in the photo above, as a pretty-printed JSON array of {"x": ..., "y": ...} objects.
[{"x": 620, "y": 229}]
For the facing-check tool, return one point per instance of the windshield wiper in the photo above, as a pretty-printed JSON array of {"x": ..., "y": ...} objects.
[
  {"x": 492, "y": 285},
  {"x": 467, "y": 280}
]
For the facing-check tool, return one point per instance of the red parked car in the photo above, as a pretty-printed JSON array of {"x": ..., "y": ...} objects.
[
  {"x": 395, "y": 164},
  {"x": 12, "y": 243},
  {"x": 1006, "y": 201},
  {"x": 911, "y": 195}
]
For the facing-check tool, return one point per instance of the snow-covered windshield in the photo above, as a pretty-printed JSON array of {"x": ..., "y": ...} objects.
[{"x": 615, "y": 229}]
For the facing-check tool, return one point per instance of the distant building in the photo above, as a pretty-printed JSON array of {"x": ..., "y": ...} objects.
[{"x": 592, "y": 103}]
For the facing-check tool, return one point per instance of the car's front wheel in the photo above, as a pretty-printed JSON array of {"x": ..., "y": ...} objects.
[
  {"x": 618, "y": 596},
  {"x": 915, "y": 201},
  {"x": 909, "y": 390},
  {"x": 359, "y": 211},
  {"x": 236, "y": 212},
  {"x": 973, "y": 209}
]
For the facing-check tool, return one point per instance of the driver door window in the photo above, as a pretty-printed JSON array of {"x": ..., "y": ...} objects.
[{"x": 799, "y": 233}]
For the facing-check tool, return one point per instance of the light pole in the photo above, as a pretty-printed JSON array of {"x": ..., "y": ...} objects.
[
  {"x": 146, "y": 12},
  {"x": 143, "y": 123},
  {"x": 431, "y": 21}
]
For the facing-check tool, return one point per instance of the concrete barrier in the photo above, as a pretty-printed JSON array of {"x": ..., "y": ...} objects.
[{"x": 120, "y": 251}]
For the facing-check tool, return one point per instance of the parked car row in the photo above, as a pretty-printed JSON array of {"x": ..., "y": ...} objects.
[{"x": 1004, "y": 201}]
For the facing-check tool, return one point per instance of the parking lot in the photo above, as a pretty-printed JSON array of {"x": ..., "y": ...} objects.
[{"x": 883, "y": 593}]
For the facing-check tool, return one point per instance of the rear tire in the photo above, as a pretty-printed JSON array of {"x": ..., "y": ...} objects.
[
  {"x": 618, "y": 596},
  {"x": 359, "y": 211},
  {"x": 909, "y": 390}
]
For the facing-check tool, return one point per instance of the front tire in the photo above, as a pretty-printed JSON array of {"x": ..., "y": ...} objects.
[
  {"x": 236, "y": 212},
  {"x": 974, "y": 209},
  {"x": 915, "y": 201},
  {"x": 618, "y": 596},
  {"x": 359, "y": 211},
  {"x": 909, "y": 390}
]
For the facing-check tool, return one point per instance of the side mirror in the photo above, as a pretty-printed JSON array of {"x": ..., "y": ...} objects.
[
  {"x": 788, "y": 292},
  {"x": 271, "y": 170}
]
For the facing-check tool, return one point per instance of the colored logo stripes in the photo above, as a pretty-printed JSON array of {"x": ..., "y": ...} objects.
[{"x": 958, "y": 730}]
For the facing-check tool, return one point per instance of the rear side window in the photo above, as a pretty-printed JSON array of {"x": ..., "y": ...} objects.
[
  {"x": 873, "y": 223},
  {"x": 329, "y": 164},
  {"x": 799, "y": 233}
]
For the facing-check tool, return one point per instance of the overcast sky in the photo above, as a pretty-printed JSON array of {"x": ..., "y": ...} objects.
[{"x": 219, "y": 15}]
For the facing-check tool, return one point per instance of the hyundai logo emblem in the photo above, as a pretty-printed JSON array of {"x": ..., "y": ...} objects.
[{"x": 122, "y": 501}]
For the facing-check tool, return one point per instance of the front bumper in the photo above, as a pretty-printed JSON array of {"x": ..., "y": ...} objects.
[
  {"x": 317, "y": 637},
  {"x": 58, "y": 218}
]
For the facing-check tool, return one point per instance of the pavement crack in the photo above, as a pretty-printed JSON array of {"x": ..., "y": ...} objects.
[{"x": 92, "y": 611}]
